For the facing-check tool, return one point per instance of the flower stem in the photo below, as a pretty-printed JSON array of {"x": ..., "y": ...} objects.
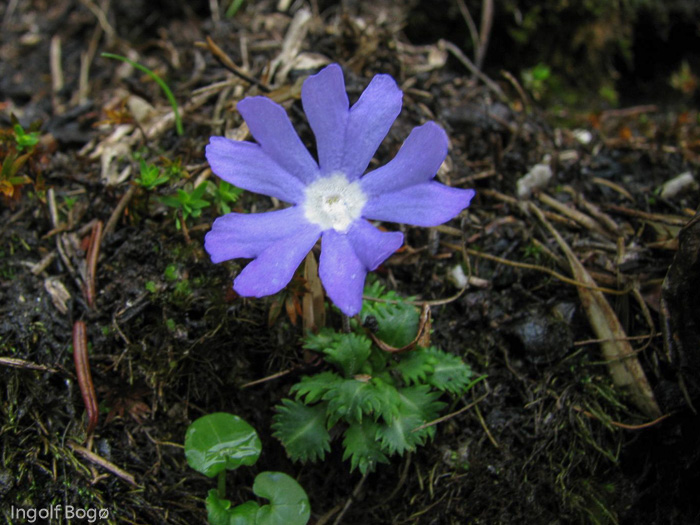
[
  {"x": 346, "y": 323},
  {"x": 221, "y": 485}
]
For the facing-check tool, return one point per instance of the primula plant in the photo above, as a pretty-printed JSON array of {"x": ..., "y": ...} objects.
[
  {"x": 330, "y": 199},
  {"x": 187, "y": 203},
  {"x": 382, "y": 382},
  {"x": 151, "y": 176},
  {"x": 16, "y": 148},
  {"x": 382, "y": 402}
]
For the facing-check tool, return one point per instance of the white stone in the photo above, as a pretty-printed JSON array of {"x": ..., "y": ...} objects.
[
  {"x": 677, "y": 185},
  {"x": 535, "y": 179},
  {"x": 457, "y": 277}
]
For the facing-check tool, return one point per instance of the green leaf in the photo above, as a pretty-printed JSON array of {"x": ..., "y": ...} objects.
[
  {"x": 233, "y": 8},
  {"x": 349, "y": 352},
  {"x": 419, "y": 405},
  {"x": 224, "y": 194},
  {"x": 302, "y": 430},
  {"x": 398, "y": 436},
  {"x": 289, "y": 504},
  {"x": 320, "y": 341},
  {"x": 397, "y": 320},
  {"x": 150, "y": 176},
  {"x": 315, "y": 387},
  {"x": 415, "y": 366},
  {"x": 422, "y": 400},
  {"x": 219, "y": 511},
  {"x": 171, "y": 201},
  {"x": 221, "y": 441},
  {"x": 25, "y": 140},
  {"x": 362, "y": 447},
  {"x": 450, "y": 373},
  {"x": 388, "y": 397},
  {"x": 198, "y": 192},
  {"x": 350, "y": 399}
]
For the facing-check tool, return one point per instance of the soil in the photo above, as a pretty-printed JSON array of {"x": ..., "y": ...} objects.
[{"x": 552, "y": 435}]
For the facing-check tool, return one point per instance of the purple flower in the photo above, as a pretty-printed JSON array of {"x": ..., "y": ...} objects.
[{"x": 330, "y": 198}]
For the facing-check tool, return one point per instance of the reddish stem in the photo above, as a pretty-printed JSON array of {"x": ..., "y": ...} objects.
[
  {"x": 82, "y": 368},
  {"x": 92, "y": 253}
]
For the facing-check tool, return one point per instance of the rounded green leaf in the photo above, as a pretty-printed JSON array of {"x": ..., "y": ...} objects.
[
  {"x": 221, "y": 441},
  {"x": 219, "y": 511},
  {"x": 289, "y": 504}
]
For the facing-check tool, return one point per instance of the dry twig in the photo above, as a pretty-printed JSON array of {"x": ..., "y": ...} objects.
[{"x": 622, "y": 361}]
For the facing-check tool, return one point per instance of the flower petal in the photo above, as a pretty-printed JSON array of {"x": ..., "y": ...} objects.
[
  {"x": 371, "y": 245},
  {"x": 341, "y": 271},
  {"x": 247, "y": 166},
  {"x": 275, "y": 266},
  {"x": 417, "y": 161},
  {"x": 270, "y": 126},
  {"x": 327, "y": 109},
  {"x": 426, "y": 204},
  {"x": 370, "y": 119},
  {"x": 248, "y": 235}
]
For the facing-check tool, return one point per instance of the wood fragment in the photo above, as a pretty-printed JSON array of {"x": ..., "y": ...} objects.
[
  {"x": 594, "y": 211},
  {"x": 673, "y": 220},
  {"x": 313, "y": 301},
  {"x": 44, "y": 263},
  {"x": 229, "y": 64},
  {"x": 58, "y": 293},
  {"x": 459, "y": 55},
  {"x": 102, "y": 462},
  {"x": 574, "y": 214},
  {"x": 626, "y": 371},
  {"x": 56, "y": 68},
  {"x": 544, "y": 269},
  {"x": 615, "y": 187},
  {"x": 116, "y": 214},
  {"x": 101, "y": 18},
  {"x": 283, "y": 63},
  {"x": 22, "y": 363}
]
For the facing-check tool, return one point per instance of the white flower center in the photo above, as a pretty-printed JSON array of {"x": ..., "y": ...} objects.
[{"x": 334, "y": 202}]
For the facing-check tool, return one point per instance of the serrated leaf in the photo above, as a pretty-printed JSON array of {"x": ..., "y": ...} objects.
[
  {"x": 302, "y": 430},
  {"x": 221, "y": 441},
  {"x": 219, "y": 511},
  {"x": 418, "y": 406},
  {"x": 313, "y": 388},
  {"x": 397, "y": 321},
  {"x": 351, "y": 399},
  {"x": 349, "y": 352},
  {"x": 388, "y": 397},
  {"x": 318, "y": 342},
  {"x": 362, "y": 448},
  {"x": 450, "y": 373},
  {"x": 422, "y": 400},
  {"x": 415, "y": 366},
  {"x": 289, "y": 504},
  {"x": 398, "y": 436}
]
